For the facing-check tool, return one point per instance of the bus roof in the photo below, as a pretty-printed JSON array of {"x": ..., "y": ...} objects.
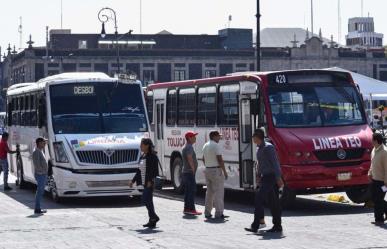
[
  {"x": 59, "y": 78},
  {"x": 204, "y": 81},
  {"x": 239, "y": 76}
]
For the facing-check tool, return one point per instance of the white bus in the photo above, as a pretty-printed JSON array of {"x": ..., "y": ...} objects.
[{"x": 94, "y": 125}]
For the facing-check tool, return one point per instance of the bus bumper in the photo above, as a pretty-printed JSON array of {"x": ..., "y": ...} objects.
[
  {"x": 70, "y": 184},
  {"x": 319, "y": 177}
]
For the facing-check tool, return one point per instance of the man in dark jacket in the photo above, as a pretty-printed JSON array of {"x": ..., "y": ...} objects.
[{"x": 270, "y": 180}]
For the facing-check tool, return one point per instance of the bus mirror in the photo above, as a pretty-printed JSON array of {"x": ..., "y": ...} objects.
[
  {"x": 254, "y": 106},
  {"x": 9, "y": 115}
]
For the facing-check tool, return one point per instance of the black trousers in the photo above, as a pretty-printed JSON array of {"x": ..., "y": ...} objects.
[
  {"x": 267, "y": 193},
  {"x": 378, "y": 198}
]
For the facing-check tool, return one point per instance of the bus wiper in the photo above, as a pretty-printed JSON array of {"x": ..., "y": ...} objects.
[{"x": 75, "y": 115}]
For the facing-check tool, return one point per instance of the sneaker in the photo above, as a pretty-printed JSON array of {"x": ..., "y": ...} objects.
[
  {"x": 187, "y": 211},
  {"x": 255, "y": 229},
  {"x": 378, "y": 223},
  {"x": 274, "y": 229},
  {"x": 197, "y": 212},
  {"x": 208, "y": 216},
  {"x": 251, "y": 229},
  {"x": 7, "y": 188},
  {"x": 40, "y": 211},
  {"x": 222, "y": 217}
]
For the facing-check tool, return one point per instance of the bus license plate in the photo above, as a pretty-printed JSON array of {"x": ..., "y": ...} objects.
[{"x": 344, "y": 176}]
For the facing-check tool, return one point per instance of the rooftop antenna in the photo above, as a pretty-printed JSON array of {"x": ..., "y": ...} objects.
[
  {"x": 311, "y": 14},
  {"x": 339, "y": 21},
  {"x": 20, "y": 30},
  {"x": 140, "y": 17},
  {"x": 362, "y": 8},
  {"x": 61, "y": 14},
  {"x": 229, "y": 21}
]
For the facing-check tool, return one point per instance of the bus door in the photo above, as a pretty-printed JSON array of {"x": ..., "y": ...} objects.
[
  {"x": 248, "y": 99},
  {"x": 159, "y": 130}
]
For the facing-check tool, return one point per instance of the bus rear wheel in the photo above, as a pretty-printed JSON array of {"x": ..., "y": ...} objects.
[
  {"x": 359, "y": 194},
  {"x": 177, "y": 168},
  {"x": 20, "y": 182}
]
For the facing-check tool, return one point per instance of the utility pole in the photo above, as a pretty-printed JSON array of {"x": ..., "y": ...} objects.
[{"x": 258, "y": 40}]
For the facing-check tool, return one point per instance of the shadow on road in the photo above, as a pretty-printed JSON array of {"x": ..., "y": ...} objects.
[
  {"x": 27, "y": 198},
  {"x": 234, "y": 200},
  {"x": 304, "y": 205}
]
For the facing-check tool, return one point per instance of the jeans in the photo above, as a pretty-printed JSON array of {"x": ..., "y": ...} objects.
[
  {"x": 41, "y": 182},
  {"x": 378, "y": 198},
  {"x": 147, "y": 199},
  {"x": 189, "y": 191},
  {"x": 268, "y": 191},
  {"x": 5, "y": 169}
]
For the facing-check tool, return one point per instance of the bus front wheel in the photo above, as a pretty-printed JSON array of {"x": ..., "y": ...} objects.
[
  {"x": 177, "y": 168},
  {"x": 20, "y": 175},
  {"x": 359, "y": 194},
  {"x": 53, "y": 190}
]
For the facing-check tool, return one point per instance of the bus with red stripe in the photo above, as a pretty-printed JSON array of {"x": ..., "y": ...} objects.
[{"x": 314, "y": 118}]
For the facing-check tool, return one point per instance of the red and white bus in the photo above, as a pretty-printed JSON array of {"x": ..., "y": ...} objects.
[{"x": 314, "y": 118}]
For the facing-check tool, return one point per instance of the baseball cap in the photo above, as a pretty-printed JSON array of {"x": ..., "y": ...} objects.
[{"x": 190, "y": 134}]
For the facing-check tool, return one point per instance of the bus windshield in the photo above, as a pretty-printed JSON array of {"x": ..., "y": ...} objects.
[
  {"x": 97, "y": 108},
  {"x": 315, "y": 106}
]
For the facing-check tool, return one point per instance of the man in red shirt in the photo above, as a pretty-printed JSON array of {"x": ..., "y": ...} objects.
[{"x": 4, "y": 150}]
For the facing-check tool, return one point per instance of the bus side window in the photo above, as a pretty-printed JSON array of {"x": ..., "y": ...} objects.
[
  {"x": 9, "y": 112},
  {"x": 228, "y": 113},
  {"x": 149, "y": 106},
  {"x": 42, "y": 112},
  {"x": 187, "y": 107},
  {"x": 171, "y": 107},
  {"x": 33, "y": 110},
  {"x": 206, "y": 106},
  {"x": 27, "y": 116}
]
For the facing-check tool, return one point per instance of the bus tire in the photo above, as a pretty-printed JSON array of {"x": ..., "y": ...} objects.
[
  {"x": 20, "y": 182},
  {"x": 177, "y": 168},
  {"x": 359, "y": 194},
  {"x": 287, "y": 198},
  {"x": 53, "y": 190}
]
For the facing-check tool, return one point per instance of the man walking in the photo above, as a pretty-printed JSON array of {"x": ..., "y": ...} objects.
[
  {"x": 215, "y": 173},
  {"x": 269, "y": 174},
  {"x": 4, "y": 150},
  {"x": 40, "y": 172},
  {"x": 378, "y": 177},
  {"x": 190, "y": 165}
]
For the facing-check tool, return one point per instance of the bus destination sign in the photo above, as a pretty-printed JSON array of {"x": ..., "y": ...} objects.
[
  {"x": 306, "y": 77},
  {"x": 83, "y": 90}
]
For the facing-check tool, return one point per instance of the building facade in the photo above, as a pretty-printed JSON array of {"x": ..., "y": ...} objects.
[
  {"x": 166, "y": 57},
  {"x": 361, "y": 33}
]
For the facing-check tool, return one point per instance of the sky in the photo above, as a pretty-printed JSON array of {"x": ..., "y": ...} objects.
[{"x": 179, "y": 16}]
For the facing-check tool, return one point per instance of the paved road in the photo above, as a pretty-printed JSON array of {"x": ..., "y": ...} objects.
[{"x": 116, "y": 223}]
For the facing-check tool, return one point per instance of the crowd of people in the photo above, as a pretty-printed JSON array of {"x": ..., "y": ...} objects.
[{"x": 269, "y": 178}]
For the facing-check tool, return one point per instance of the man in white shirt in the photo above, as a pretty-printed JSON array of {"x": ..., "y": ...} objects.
[{"x": 215, "y": 173}]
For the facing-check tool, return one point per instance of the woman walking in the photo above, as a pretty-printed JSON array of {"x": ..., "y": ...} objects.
[{"x": 151, "y": 172}]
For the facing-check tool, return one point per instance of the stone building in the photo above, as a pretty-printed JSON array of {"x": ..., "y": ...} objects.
[{"x": 167, "y": 57}]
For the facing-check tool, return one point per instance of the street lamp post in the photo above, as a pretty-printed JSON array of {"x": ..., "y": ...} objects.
[
  {"x": 258, "y": 40},
  {"x": 104, "y": 15}
]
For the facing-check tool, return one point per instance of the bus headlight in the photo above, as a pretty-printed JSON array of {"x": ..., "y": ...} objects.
[{"x": 60, "y": 153}]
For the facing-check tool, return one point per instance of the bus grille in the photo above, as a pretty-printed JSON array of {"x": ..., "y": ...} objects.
[
  {"x": 107, "y": 157},
  {"x": 331, "y": 155}
]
